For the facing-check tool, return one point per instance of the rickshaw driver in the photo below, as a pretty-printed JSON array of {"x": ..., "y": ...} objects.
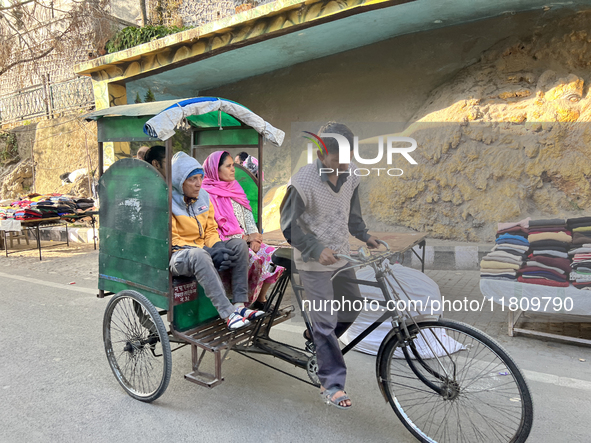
[
  {"x": 318, "y": 213},
  {"x": 197, "y": 248}
]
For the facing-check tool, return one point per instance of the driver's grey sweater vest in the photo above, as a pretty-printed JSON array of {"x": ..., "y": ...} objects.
[{"x": 326, "y": 215}]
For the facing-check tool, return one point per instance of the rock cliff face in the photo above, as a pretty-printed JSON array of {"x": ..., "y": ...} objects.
[
  {"x": 19, "y": 181},
  {"x": 508, "y": 137},
  {"x": 63, "y": 145}
]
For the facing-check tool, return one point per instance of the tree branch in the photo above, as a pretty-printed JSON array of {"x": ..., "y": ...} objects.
[
  {"x": 26, "y": 60},
  {"x": 6, "y": 8}
]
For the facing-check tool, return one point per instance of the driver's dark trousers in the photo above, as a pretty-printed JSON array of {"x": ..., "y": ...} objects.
[{"x": 327, "y": 326}]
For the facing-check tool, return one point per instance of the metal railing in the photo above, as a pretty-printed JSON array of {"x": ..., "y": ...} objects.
[{"x": 47, "y": 100}]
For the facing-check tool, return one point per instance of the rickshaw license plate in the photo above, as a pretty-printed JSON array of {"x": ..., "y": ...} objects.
[{"x": 185, "y": 290}]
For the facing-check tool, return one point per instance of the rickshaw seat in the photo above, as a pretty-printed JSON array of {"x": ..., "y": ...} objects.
[{"x": 283, "y": 257}]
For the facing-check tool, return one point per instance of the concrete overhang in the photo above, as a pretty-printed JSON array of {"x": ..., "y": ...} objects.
[{"x": 282, "y": 34}]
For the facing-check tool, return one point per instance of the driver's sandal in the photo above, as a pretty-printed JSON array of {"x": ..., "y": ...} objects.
[{"x": 328, "y": 394}]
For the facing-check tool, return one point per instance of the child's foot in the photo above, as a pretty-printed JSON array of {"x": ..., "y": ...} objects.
[
  {"x": 236, "y": 321},
  {"x": 249, "y": 314}
]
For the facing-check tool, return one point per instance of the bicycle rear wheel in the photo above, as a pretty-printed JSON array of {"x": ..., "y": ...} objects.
[
  {"x": 137, "y": 345},
  {"x": 453, "y": 383}
]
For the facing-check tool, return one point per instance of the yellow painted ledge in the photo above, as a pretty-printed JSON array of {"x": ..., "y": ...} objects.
[{"x": 196, "y": 43}]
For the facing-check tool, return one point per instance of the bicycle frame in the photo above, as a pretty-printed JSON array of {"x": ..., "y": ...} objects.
[
  {"x": 398, "y": 319},
  {"x": 261, "y": 343}
]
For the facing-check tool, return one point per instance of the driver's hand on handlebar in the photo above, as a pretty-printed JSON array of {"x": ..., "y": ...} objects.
[
  {"x": 372, "y": 242},
  {"x": 327, "y": 257}
]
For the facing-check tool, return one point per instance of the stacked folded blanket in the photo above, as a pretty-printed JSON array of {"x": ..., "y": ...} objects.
[
  {"x": 7, "y": 213},
  {"x": 581, "y": 251},
  {"x": 581, "y": 230},
  {"x": 509, "y": 252},
  {"x": 548, "y": 263},
  {"x": 27, "y": 214},
  {"x": 581, "y": 266}
]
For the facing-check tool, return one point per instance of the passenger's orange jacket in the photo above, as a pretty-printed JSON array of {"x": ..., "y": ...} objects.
[
  {"x": 186, "y": 232},
  {"x": 193, "y": 224}
]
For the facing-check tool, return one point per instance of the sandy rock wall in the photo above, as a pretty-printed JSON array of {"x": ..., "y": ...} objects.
[
  {"x": 18, "y": 181},
  {"x": 63, "y": 145},
  {"x": 507, "y": 137}
]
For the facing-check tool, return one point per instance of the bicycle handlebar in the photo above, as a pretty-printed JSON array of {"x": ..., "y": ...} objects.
[
  {"x": 383, "y": 243},
  {"x": 357, "y": 262}
]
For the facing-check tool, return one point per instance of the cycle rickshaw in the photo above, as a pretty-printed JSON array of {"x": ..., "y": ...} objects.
[{"x": 446, "y": 381}]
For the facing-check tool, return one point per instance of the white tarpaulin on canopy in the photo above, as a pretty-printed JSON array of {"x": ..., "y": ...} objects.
[{"x": 163, "y": 125}]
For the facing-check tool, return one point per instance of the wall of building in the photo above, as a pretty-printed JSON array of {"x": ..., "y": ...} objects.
[{"x": 489, "y": 82}]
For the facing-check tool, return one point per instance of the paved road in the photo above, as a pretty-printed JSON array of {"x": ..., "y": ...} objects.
[{"x": 56, "y": 386}]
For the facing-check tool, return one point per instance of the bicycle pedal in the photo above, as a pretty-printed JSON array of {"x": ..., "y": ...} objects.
[{"x": 310, "y": 347}]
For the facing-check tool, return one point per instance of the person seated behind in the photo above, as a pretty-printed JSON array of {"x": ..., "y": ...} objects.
[
  {"x": 197, "y": 248},
  {"x": 156, "y": 156},
  {"x": 252, "y": 164},
  {"x": 233, "y": 215},
  {"x": 141, "y": 152},
  {"x": 241, "y": 158},
  {"x": 249, "y": 162}
]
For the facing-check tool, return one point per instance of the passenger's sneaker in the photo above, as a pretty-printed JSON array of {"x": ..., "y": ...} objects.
[
  {"x": 236, "y": 321},
  {"x": 249, "y": 314}
]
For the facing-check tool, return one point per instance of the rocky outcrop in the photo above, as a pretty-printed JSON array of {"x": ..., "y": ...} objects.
[
  {"x": 18, "y": 181},
  {"x": 508, "y": 137},
  {"x": 63, "y": 145}
]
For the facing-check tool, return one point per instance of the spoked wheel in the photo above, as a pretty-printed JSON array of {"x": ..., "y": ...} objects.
[
  {"x": 137, "y": 346},
  {"x": 453, "y": 383}
]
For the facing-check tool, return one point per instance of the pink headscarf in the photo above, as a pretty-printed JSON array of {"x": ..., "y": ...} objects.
[{"x": 221, "y": 193}]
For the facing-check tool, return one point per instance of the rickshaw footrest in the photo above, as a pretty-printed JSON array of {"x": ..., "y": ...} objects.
[
  {"x": 204, "y": 379},
  {"x": 214, "y": 338}
]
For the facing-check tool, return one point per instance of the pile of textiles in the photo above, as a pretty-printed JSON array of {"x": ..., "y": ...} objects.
[
  {"x": 36, "y": 206},
  {"x": 27, "y": 214},
  {"x": 548, "y": 263},
  {"x": 508, "y": 254},
  {"x": 7, "y": 213},
  {"x": 581, "y": 252}
]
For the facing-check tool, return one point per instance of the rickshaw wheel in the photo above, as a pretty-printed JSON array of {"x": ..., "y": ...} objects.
[{"x": 137, "y": 346}]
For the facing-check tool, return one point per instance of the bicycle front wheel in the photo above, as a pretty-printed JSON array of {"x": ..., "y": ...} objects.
[{"x": 453, "y": 383}]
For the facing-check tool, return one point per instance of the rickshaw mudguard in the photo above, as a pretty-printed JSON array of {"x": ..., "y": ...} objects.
[
  {"x": 418, "y": 319},
  {"x": 134, "y": 231},
  {"x": 386, "y": 339}
]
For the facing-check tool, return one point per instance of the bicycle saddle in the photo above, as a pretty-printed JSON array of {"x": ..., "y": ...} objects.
[{"x": 283, "y": 257}]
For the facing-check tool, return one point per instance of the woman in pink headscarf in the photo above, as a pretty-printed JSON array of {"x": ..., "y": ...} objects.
[{"x": 233, "y": 215}]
